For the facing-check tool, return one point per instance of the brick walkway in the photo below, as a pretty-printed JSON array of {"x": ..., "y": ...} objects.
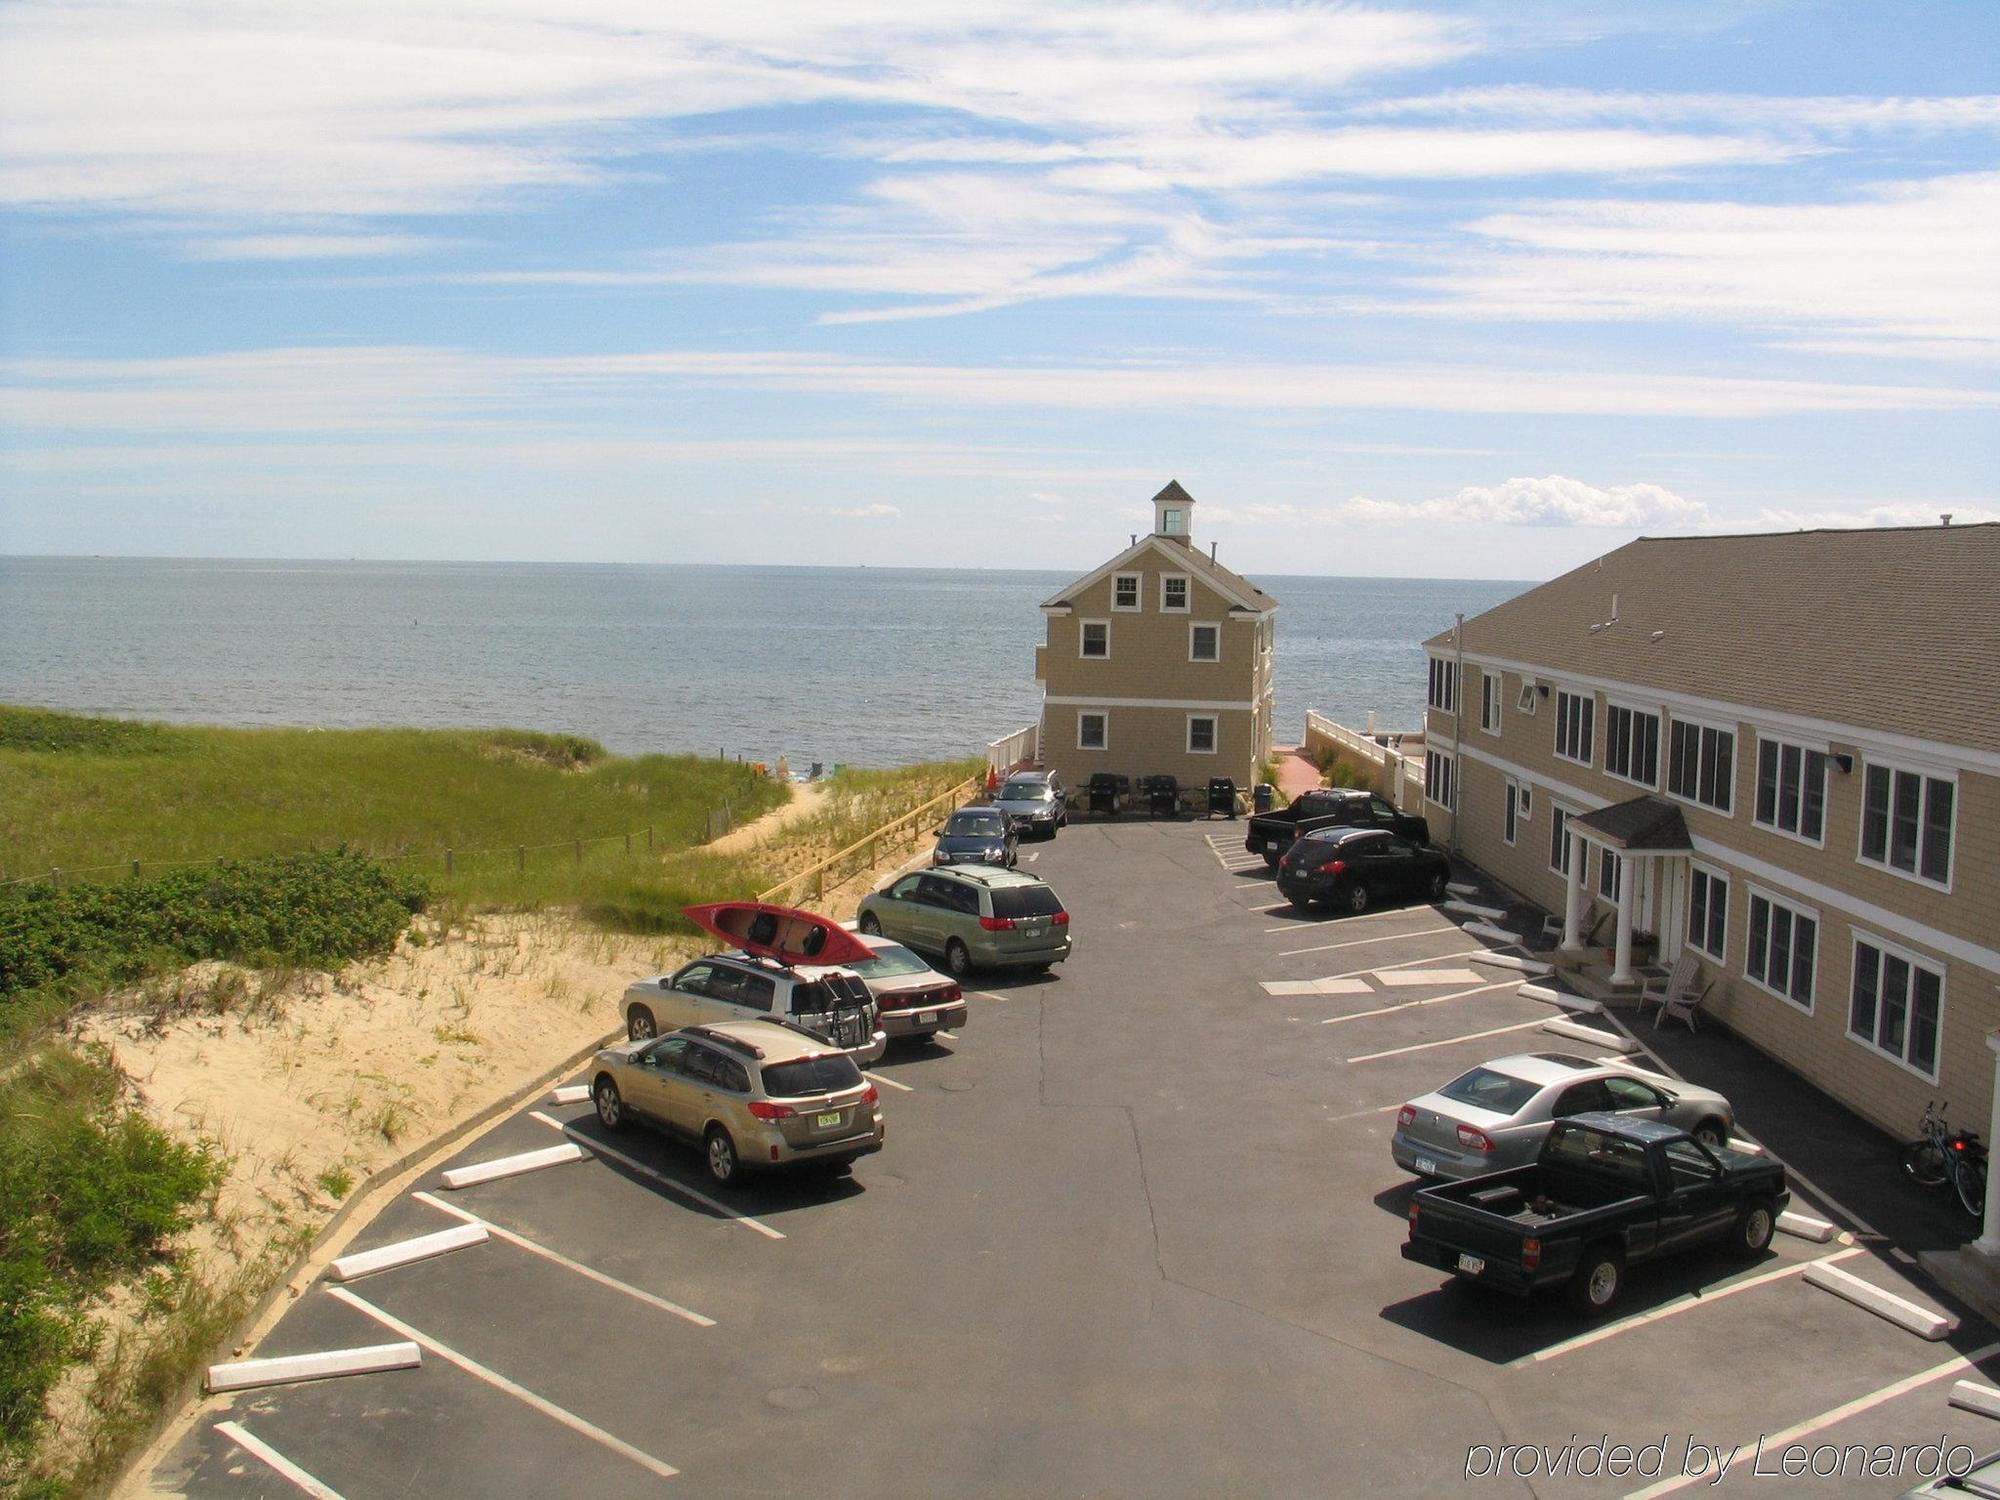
[{"x": 1295, "y": 773}]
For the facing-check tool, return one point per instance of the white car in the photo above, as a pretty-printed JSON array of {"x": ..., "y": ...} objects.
[{"x": 830, "y": 1003}]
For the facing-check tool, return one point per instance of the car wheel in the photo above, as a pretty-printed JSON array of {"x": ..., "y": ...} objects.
[
  {"x": 1434, "y": 887},
  {"x": 956, "y": 959},
  {"x": 1752, "y": 1235},
  {"x": 640, "y": 1025},
  {"x": 870, "y": 924},
  {"x": 610, "y": 1107},
  {"x": 1599, "y": 1278},
  {"x": 1711, "y": 1134},
  {"x": 1357, "y": 898},
  {"x": 721, "y": 1155}
]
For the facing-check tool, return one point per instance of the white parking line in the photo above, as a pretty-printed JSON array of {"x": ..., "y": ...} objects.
[
  {"x": 1406, "y": 964},
  {"x": 1383, "y": 1010},
  {"x": 1776, "y": 1442},
  {"x": 1367, "y": 916},
  {"x": 949, "y": 1036},
  {"x": 533, "y": 1248},
  {"x": 1386, "y": 937},
  {"x": 258, "y": 1448},
  {"x": 989, "y": 995},
  {"x": 1450, "y": 1041},
  {"x": 889, "y": 1083},
  {"x": 660, "y": 1177},
  {"x": 498, "y": 1381},
  {"x": 1680, "y": 1305}
]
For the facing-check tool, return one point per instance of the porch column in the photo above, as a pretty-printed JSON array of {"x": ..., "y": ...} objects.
[
  {"x": 1573, "y": 895},
  {"x": 1988, "y": 1243},
  {"x": 1621, "y": 968}
]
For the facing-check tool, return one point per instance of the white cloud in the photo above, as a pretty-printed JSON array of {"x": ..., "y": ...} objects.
[
  {"x": 877, "y": 512},
  {"x": 1549, "y": 501},
  {"x": 311, "y": 246},
  {"x": 1790, "y": 114},
  {"x": 1852, "y": 515}
]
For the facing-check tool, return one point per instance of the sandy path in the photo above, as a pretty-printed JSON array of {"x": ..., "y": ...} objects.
[{"x": 806, "y": 799}]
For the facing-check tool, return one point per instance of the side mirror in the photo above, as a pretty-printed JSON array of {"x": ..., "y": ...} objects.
[{"x": 938, "y": 832}]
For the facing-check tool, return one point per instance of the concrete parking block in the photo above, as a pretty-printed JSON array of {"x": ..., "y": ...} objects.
[
  {"x": 1576, "y": 1031},
  {"x": 1488, "y": 930},
  {"x": 1802, "y": 1226},
  {"x": 1924, "y": 1322},
  {"x": 1472, "y": 909},
  {"x": 406, "y": 1252},
  {"x": 1542, "y": 992},
  {"x": 512, "y": 1166},
  {"x": 1970, "y": 1395},
  {"x": 1511, "y": 961},
  {"x": 1460, "y": 888},
  {"x": 325, "y": 1364},
  {"x": 570, "y": 1093}
]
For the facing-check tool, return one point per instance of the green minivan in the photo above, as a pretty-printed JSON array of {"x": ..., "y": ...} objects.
[{"x": 972, "y": 917}]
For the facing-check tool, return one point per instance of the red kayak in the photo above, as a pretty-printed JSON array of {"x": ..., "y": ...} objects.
[{"x": 782, "y": 932}]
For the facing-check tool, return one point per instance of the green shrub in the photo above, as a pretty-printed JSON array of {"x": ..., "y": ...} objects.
[{"x": 42, "y": 730}]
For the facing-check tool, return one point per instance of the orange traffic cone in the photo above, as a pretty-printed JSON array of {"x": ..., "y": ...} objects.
[{"x": 992, "y": 780}]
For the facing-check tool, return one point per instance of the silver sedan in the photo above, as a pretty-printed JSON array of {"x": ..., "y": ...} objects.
[{"x": 1495, "y": 1116}]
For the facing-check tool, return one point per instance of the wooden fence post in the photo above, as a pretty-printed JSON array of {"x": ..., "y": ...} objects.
[
  {"x": 55, "y": 876},
  {"x": 579, "y": 851},
  {"x": 628, "y": 843},
  {"x": 649, "y": 838},
  {"x": 447, "y": 864},
  {"x": 521, "y": 858},
  {"x": 135, "y": 869}
]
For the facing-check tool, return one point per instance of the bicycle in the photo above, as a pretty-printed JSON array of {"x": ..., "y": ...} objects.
[{"x": 1939, "y": 1156}]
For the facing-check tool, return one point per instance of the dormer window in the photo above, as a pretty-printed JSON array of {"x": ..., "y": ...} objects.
[{"x": 1173, "y": 521}]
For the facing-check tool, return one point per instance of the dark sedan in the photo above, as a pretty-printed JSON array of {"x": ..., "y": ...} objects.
[
  {"x": 975, "y": 836},
  {"x": 1353, "y": 869}
]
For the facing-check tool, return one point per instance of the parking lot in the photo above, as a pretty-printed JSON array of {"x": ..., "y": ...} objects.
[{"x": 1134, "y": 1233}]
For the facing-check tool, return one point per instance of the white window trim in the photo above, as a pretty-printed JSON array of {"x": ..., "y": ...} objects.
[
  {"x": 1524, "y": 701},
  {"x": 1138, "y": 593},
  {"x": 1082, "y": 630},
  {"x": 1216, "y": 626},
  {"x": 1214, "y": 737},
  {"x": 1914, "y": 768},
  {"x": 1085, "y": 713},
  {"x": 1735, "y": 733},
  {"x": 1729, "y": 883},
  {"x": 1798, "y": 909},
  {"x": 1658, "y": 714},
  {"x": 1765, "y": 737},
  {"x": 1586, "y": 696},
  {"x": 1511, "y": 797},
  {"x": 1527, "y": 812},
  {"x": 1448, "y": 764},
  {"x": 1499, "y": 700},
  {"x": 1887, "y": 949},
  {"x": 1187, "y": 594}
]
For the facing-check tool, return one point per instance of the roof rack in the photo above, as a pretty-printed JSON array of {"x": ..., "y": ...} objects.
[{"x": 724, "y": 1039}]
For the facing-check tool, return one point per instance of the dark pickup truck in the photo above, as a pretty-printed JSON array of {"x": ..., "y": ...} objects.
[
  {"x": 1272, "y": 833},
  {"x": 1605, "y": 1193}
]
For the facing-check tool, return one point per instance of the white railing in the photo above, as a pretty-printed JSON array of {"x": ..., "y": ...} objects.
[
  {"x": 1403, "y": 756},
  {"x": 1022, "y": 745}
]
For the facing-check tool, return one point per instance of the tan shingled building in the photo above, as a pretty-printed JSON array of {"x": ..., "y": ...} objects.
[
  {"x": 1158, "y": 663},
  {"x": 1782, "y": 751}
]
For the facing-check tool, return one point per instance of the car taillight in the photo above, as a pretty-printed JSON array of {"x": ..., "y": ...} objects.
[
  {"x": 869, "y": 1095},
  {"x": 951, "y": 992},
  {"x": 764, "y": 1109},
  {"x": 1531, "y": 1253},
  {"x": 1407, "y": 1115},
  {"x": 1333, "y": 867},
  {"x": 1060, "y": 919},
  {"x": 1413, "y": 1216},
  {"x": 997, "y": 924},
  {"x": 1474, "y": 1139}
]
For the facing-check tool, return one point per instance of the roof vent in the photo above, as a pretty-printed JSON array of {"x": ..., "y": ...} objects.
[
  {"x": 1945, "y": 519},
  {"x": 1597, "y": 627},
  {"x": 1211, "y": 547}
]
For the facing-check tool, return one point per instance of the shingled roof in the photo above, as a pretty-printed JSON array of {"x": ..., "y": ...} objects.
[
  {"x": 1896, "y": 629},
  {"x": 1648, "y": 824}
]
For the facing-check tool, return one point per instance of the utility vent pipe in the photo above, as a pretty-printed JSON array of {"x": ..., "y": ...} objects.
[{"x": 1211, "y": 551}]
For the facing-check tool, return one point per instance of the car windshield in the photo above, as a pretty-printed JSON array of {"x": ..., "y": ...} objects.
[
  {"x": 972, "y": 825},
  {"x": 1483, "y": 1088},
  {"x": 811, "y": 1075},
  {"x": 1026, "y": 791},
  {"x": 1026, "y": 901},
  {"x": 888, "y": 961}
]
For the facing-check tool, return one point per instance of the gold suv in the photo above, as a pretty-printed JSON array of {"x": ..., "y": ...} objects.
[{"x": 755, "y": 1095}]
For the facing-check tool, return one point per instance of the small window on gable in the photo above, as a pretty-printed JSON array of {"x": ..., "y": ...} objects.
[
  {"x": 1174, "y": 593},
  {"x": 1125, "y": 591}
]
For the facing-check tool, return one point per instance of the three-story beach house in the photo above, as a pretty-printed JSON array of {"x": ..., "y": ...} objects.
[
  {"x": 1782, "y": 752},
  {"x": 1158, "y": 663}
]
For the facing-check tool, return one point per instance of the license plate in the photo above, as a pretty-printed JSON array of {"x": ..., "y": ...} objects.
[
  {"x": 1472, "y": 1265},
  {"x": 827, "y": 1121},
  {"x": 1426, "y": 1166},
  {"x": 925, "y": 1017},
  {"x": 1036, "y": 931}
]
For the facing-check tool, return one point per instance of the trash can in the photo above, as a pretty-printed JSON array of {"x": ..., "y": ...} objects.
[
  {"x": 1163, "y": 796},
  {"x": 1221, "y": 796},
  {"x": 1264, "y": 797},
  {"x": 1105, "y": 790}
]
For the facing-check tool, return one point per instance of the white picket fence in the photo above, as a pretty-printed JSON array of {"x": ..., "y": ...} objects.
[
  {"x": 1405, "y": 760},
  {"x": 1011, "y": 750}
]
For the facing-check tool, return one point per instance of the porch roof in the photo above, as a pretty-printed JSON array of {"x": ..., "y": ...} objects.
[{"x": 1645, "y": 825}]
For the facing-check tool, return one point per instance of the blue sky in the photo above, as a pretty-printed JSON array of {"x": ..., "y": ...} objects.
[{"x": 1459, "y": 290}]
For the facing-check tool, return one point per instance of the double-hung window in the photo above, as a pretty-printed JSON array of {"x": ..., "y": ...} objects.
[
  {"x": 1204, "y": 643},
  {"x": 1125, "y": 591},
  {"x": 1708, "y": 912},
  {"x": 1174, "y": 593},
  {"x": 1632, "y": 744},
  {"x": 1782, "y": 949},
  {"x": 1095, "y": 641},
  {"x": 1906, "y": 822},
  {"x": 1444, "y": 684},
  {"x": 1791, "y": 789},
  {"x": 1609, "y": 867},
  {"x": 1897, "y": 1005},
  {"x": 1701, "y": 764},
  {"x": 1510, "y": 818},
  {"x": 1559, "y": 839},
  {"x": 1490, "y": 687},
  {"x": 1440, "y": 784},
  {"x": 1576, "y": 715},
  {"x": 1201, "y": 734},
  {"x": 1092, "y": 729}
]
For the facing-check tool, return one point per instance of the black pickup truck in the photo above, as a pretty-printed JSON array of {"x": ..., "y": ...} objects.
[
  {"x": 1604, "y": 1193},
  {"x": 1271, "y": 834}
]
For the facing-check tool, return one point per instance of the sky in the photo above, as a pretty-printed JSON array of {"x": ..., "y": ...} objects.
[{"x": 1455, "y": 290}]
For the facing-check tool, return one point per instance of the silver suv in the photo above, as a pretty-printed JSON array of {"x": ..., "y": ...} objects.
[
  {"x": 833, "y": 1004},
  {"x": 755, "y": 1095}
]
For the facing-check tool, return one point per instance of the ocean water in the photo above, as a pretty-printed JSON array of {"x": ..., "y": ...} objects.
[{"x": 865, "y": 666}]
